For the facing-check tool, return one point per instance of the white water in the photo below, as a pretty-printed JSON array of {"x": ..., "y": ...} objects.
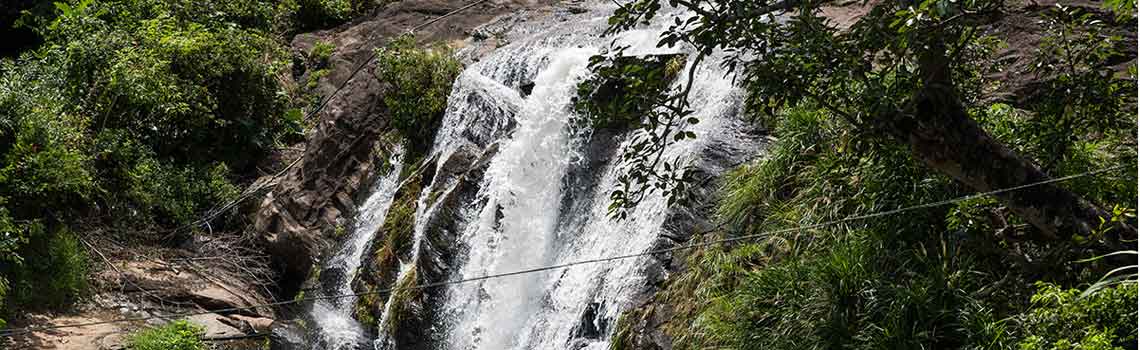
[
  {"x": 535, "y": 210},
  {"x": 335, "y": 327},
  {"x": 527, "y": 180}
]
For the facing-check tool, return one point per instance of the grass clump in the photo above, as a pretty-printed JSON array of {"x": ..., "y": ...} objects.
[
  {"x": 394, "y": 239},
  {"x": 177, "y": 335}
]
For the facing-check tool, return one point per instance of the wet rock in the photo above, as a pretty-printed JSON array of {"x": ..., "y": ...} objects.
[
  {"x": 526, "y": 88},
  {"x": 287, "y": 335},
  {"x": 338, "y": 161},
  {"x": 592, "y": 324}
]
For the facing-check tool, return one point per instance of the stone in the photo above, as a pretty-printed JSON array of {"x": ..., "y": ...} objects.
[
  {"x": 592, "y": 324},
  {"x": 526, "y": 88},
  {"x": 214, "y": 326},
  {"x": 254, "y": 324},
  {"x": 287, "y": 335}
]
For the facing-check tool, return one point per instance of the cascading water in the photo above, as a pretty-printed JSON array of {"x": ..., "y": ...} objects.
[
  {"x": 334, "y": 326},
  {"x": 542, "y": 198}
]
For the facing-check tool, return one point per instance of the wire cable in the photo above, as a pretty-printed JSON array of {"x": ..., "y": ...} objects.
[{"x": 16, "y": 331}]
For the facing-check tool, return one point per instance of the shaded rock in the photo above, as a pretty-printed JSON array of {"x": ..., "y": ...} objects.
[
  {"x": 526, "y": 88},
  {"x": 592, "y": 324},
  {"x": 287, "y": 335}
]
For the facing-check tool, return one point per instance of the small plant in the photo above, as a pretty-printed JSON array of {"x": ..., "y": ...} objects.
[
  {"x": 321, "y": 52},
  {"x": 177, "y": 335}
]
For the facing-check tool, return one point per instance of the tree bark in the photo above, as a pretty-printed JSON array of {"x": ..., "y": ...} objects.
[{"x": 942, "y": 135}]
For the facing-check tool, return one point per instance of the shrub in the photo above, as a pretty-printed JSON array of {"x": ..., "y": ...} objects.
[
  {"x": 177, "y": 335},
  {"x": 1062, "y": 319},
  {"x": 132, "y": 114},
  {"x": 623, "y": 89},
  {"x": 420, "y": 81},
  {"x": 52, "y": 272},
  {"x": 317, "y": 14}
]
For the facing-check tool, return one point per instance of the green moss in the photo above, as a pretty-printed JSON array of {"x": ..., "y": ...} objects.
[
  {"x": 367, "y": 306},
  {"x": 402, "y": 301},
  {"x": 395, "y": 240}
]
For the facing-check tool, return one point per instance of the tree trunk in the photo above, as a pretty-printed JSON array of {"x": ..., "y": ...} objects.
[{"x": 941, "y": 134}]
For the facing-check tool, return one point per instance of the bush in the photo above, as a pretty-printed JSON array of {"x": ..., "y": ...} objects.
[
  {"x": 623, "y": 89},
  {"x": 1062, "y": 319},
  {"x": 318, "y": 14},
  {"x": 420, "y": 81},
  {"x": 52, "y": 272},
  {"x": 132, "y": 114},
  {"x": 177, "y": 335}
]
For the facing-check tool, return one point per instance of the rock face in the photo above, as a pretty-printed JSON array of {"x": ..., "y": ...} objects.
[
  {"x": 286, "y": 336},
  {"x": 449, "y": 189},
  {"x": 320, "y": 192}
]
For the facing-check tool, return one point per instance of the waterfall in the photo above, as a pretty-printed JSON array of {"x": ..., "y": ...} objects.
[
  {"x": 532, "y": 193},
  {"x": 334, "y": 325}
]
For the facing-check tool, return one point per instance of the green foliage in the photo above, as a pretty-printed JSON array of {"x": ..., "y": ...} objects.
[
  {"x": 933, "y": 278},
  {"x": 865, "y": 74},
  {"x": 1124, "y": 9},
  {"x": 316, "y": 14},
  {"x": 952, "y": 277},
  {"x": 177, "y": 335},
  {"x": 321, "y": 52},
  {"x": 1062, "y": 319},
  {"x": 136, "y": 115},
  {"x": 1081, "y": 94},
  {"x": 626, "y": 92},
  {"x": 52, "y": 270},
  {"x": 621, "y": 89},
  {"x": 420, "y": 81}
]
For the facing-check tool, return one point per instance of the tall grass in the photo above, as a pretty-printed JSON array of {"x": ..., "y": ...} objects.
[{"x": 940, "y": 278}]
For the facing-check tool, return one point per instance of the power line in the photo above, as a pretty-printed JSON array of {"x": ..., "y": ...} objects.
[{"x": 15, "y": 331}]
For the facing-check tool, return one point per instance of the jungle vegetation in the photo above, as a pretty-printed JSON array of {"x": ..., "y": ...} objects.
[
  {"x": 894, "y": 112},
  {"x": 134, "y": 117}
]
